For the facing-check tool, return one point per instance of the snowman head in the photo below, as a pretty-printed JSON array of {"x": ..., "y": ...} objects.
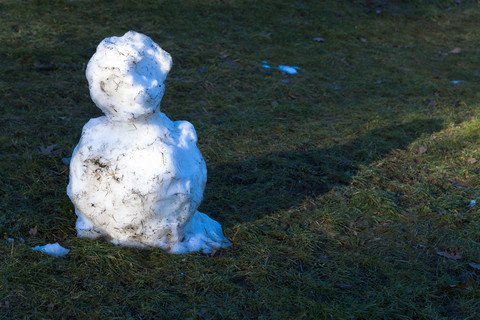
[{"x": 126, "y": 76}]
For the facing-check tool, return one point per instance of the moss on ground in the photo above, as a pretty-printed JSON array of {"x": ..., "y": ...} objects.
[{"x": 345, "y": 188}]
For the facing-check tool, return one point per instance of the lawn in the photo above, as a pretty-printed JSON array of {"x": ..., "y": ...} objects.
[{"x": 346, "y": 189}]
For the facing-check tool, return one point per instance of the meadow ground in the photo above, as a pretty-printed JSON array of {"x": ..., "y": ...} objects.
[{"x": 345, "y": 188}]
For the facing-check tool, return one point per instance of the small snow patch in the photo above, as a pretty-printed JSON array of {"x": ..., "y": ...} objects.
[
  {"x": 54, "y": 249},
  {"x": 284, "y": 68},
  {"x": 473, "y": 202},
  {"x": 288, "y": 69}
]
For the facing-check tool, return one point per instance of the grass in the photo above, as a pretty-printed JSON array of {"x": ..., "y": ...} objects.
[{"x": 338, "y": 186}]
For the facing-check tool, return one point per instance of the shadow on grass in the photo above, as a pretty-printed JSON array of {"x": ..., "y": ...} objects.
[{"x": 248, "y": 190}]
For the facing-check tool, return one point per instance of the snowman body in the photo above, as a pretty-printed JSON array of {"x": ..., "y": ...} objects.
[{"x": 136, "y": 177}]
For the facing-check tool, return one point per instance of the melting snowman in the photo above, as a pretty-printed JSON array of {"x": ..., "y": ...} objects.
[{"x": 136, "y": 177}]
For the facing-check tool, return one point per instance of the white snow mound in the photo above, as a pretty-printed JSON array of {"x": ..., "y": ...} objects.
[{"x": 136, "y": 177}]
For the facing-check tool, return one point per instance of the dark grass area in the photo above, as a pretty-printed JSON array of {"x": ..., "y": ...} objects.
[{"x": 344, "y": 188}]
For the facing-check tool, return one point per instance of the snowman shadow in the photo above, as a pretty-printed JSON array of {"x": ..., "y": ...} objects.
[{"x": 251, "y": 189}]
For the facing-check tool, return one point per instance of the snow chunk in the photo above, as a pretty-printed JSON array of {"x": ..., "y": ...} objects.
[
  {"x": 284, "y": 68},
  {"x": 473, "y": 202},
  {"x": 201, "y": 234},
  {"x": 54, "y": 249},
  {"x": 288, "y": 69}
]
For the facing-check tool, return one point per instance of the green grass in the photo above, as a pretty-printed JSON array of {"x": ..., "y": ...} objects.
[{"x": 337, "y": 200}]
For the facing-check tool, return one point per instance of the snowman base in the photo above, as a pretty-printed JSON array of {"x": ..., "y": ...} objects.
[{"x": 201, "y": 233}]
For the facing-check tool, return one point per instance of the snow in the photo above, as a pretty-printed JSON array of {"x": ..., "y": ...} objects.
[
  {"x": 284, "y": 68},
  {"x": 288, "y": 69},
  {"x": 136, "y": 177},
  {"x": 54, "y": 249},
  {"x": 473, "y": 202},
  {"x": 126, "y": 75}
]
